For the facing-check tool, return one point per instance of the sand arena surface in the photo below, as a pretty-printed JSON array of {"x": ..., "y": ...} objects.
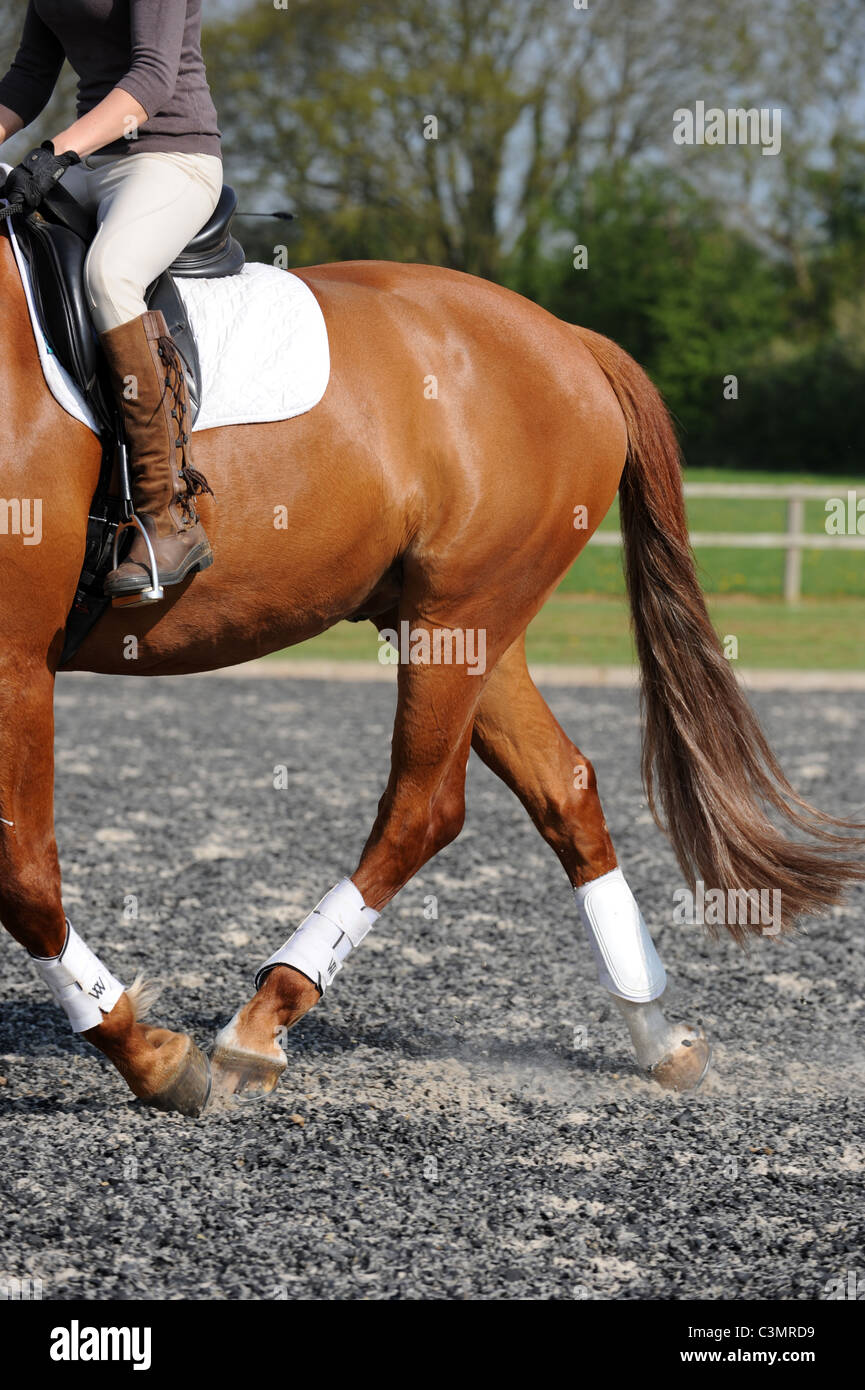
[{"x": 460, "y": 1117}]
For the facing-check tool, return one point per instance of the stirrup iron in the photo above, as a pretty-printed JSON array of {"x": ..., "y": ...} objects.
[{"x": 155, "y": 593}]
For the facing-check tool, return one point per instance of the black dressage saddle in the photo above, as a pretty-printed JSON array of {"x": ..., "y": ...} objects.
[
  {"x": 55, "y": 242},
  {"x": 55, "y": 245}
]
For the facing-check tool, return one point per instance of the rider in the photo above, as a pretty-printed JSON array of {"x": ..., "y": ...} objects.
[{"x": 144, "y": 156}]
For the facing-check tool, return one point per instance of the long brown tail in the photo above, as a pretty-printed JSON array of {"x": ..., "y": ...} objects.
[{"x": 707, "y": 767}]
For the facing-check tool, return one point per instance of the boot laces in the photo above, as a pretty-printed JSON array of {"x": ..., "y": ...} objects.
[{"x": 174, "y": 383}]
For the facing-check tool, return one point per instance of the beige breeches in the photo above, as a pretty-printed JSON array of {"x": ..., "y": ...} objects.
[{"x": 148, "y": 208}]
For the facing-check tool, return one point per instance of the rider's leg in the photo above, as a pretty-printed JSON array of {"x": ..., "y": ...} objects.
[
  {"x": 149, "y": 206},
  {"x": 147, "y": 376}
]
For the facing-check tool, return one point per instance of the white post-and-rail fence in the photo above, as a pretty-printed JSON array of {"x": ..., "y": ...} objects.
[{"x": 792, "y": 542}]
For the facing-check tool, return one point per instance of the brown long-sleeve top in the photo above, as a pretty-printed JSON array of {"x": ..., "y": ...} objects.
[{"x": 150, "y": 48}]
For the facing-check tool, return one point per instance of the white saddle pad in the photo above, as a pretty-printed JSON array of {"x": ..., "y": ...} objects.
[{"x": 262, "y": 342}]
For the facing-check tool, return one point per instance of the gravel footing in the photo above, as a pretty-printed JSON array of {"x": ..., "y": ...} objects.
[{"x": 460, "y": 1117}]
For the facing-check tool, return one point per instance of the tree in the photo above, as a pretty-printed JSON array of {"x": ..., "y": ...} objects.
[{"x": 447, "y": 133}]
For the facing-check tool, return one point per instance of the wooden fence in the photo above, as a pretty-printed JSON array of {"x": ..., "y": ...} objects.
[{"x": 793, "y": 541}]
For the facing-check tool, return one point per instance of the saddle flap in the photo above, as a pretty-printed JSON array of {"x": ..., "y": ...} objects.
[{"x": 56, "y": 256}]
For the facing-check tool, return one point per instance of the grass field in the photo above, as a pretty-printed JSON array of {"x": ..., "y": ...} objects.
[
  {"x": 587, "y": 620},
  {"x": 756, "y": 573},
  {"x": 594, "y": 631}
]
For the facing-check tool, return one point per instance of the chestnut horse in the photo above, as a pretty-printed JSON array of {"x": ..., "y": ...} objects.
[{"x": 467, "y": 446}]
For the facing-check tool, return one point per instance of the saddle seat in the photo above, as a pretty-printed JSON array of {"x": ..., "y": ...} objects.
[{"x": 56, "y": 243}]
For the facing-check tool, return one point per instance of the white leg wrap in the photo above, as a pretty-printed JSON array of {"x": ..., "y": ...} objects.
[
  {"x": 79, "y": 982},
  {"x": 323, "y": 940},
  {"x": 628, "y": 964}
]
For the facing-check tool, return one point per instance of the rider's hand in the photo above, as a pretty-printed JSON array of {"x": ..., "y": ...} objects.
[{"x": 36, "y": 175}]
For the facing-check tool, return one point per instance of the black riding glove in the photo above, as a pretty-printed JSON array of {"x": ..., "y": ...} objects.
[{"x": 36, "y": 175}]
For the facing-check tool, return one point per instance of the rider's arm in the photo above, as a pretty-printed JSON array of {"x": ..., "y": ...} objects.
[
  {"x": 156, "y": 30},
  {"x": 26, "y": 89},
  {"x": 10, "y": 124},
  {"x": 118, "y": 115}
]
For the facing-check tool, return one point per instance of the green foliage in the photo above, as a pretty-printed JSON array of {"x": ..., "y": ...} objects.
[
  {"x": 696, "y": 301},
  {"x": 327, "y": 102},
  {"x": 554, "y": 127}
]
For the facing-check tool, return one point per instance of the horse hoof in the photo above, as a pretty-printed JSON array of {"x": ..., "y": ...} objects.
[
  {"x": 188, "y": 1092},
  {"x": 241, "y": 1073},
  {"x": 241, "y": 1077},
  {"x": 683, "y": 1069}
]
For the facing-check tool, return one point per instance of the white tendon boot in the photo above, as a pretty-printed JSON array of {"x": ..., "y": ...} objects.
[
  {"x": 318, "y": 949},
  {"x": 629, "y": 967},
  {"x": 83, "y": 987},
  {"x": 323, "y": 940}
]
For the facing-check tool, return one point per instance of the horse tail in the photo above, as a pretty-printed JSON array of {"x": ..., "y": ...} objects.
[{"x": 708, "y": 770}]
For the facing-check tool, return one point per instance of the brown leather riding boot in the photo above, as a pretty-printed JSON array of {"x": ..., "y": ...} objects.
[{"x": 150, "y": 386}]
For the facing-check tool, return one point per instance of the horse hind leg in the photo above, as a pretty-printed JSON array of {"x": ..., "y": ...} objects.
[
  {"x": 163, "y": 1068},
  {"x": 516, "y": 735}
]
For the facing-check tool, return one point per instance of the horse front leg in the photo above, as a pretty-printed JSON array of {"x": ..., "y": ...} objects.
[
  {"x": 421, "y": 811},
  {"x": 163, "y": 1068}
]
